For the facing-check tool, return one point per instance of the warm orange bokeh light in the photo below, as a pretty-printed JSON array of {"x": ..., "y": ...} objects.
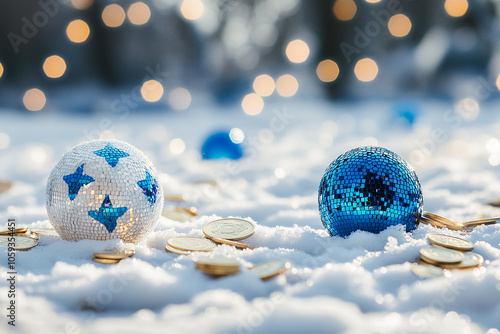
[
  {"x": 34, "y": 99},
  {"x": 456, "y": 8},
  {"x": 287, "y": 85},
  {"x": 81, "y": 4},
  {"x": 152, "y": 91},
  {"x": 252, "y": 104},
  {"x": 192, "y": 9},
  {"x": 54, "y": 67},
  {"x": 263, "y": 85},
  {"x": 366, "y": 69},
  {"x": 78, "y": 31},
  {"x": 139, "y": 13},
  {"x": 297, "y": 51},
  {"x": 399, "y": 25},
  {"x": 113, "y": 15},
  {"x": 344, "y": 10},
  {"x": 327, "y": 70}
]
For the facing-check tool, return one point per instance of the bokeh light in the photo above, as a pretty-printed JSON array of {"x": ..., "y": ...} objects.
[
  {"x": 177, "y": 146},
  {"x": 78, "y": 31},
  {"x": 4, "y": 141},
  {"x": 138, "y": 13},
  {"x": 327, "y": 70},
  {"x": 399, "y": 25},
  {"x": 467, "y": 108},
  {"x": 34, "y": 99},
  {"x": 344, "y": 10},
  {"x": 113, "y": 15},
  {"x": 252, "y": 104},
  {"x": 366, "y": 69},
  {"x": 152, "y": 91},
  {"x": 192, "y": 9},
  {"x": 179, "y": 98},
  {"x": 287, "y": 85},
  {"x": 54, "y": 67},
  {"x": 237, "y": 135},
  {"x": 264, "y": 85},
  {"x": 373, "y": 1},
  {"x": 81, "y": 4},
  {"x": 498, "y": 82},
  {"x": 456, "y": 8},
  {"x": 297, "y": 51},
  {"x": 1, "y": 70}
]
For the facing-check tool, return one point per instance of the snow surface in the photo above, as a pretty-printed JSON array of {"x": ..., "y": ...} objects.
[{"x": 361, "y": 284}]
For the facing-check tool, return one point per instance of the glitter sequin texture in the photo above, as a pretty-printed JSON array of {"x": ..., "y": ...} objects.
[
  {"x": 370, "y": 189},
  {"x": 104, "y": 189}
]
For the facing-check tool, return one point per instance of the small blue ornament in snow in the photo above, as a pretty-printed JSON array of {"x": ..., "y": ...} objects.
[
  {"x": 223, "y": 145},
  {"x": 369, "y": 189}
]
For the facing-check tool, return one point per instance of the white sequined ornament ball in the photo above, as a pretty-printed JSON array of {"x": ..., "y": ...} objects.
[{"x": 104, "y": 189}]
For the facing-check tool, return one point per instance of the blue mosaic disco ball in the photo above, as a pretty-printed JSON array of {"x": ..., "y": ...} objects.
[
  {"x": 369, "y": 189},
  {"x": 220, "y": 145},
  {"x": 104, "y": 189}
]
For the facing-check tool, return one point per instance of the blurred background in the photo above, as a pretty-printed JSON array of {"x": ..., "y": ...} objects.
[{"x": 95, "y": 55}]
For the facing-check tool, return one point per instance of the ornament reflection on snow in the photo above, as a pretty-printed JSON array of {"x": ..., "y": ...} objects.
[{"x": 104, "y": 189}]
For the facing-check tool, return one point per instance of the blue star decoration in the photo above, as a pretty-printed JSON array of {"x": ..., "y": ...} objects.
[
  {"x": 149, "y": 188},
  {"x": 111, "y": 154},
  {"x": 77, "y": 180},
  {"x": 107, "y": 215}
]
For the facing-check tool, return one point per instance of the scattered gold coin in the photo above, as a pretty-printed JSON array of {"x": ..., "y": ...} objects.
[
  {"x": 450, "y": 224},
  {"x": 450, "y": 242},
  {"x": 437, "y": 255},
  {"x": 217, "y": 266},
  {"x": 176, "y": 197},
  {"x": 426, "y": 270},
  {"x": 229, "y": 229},
  {"x": 180, "y": 214},
  {"x": 471, "y": 260},
  {"x": 5, "y": 186},
  {"x": 19, "y": 243},
  {"x": 115, "y": 254},
  {"x": 270, "y": 269},
  {"x": 20, "y": 230},
  {"x": 232, "y": 243},
  {"x": 105, "y": 261},
  {"x": 37, "y": 232},
  {"x": 192, "y": 244},
  {"x": 171, "y": 249}
]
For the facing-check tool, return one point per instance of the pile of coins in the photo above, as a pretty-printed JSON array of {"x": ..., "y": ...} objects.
[
  {"x": 442, "y": 222},
  {"x": 24, "y": 239},
  {"x": 112, "y": 256},
  {"x": 446, "y": 252},
  {"x": 217, "y": 266},
  {"x": 222, "y": 231}
]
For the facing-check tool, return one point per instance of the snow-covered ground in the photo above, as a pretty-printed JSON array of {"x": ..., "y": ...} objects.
[{"x": 361, "y": 284}]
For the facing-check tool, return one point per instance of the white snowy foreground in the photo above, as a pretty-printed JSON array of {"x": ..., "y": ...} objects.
[{"x": 361, "y": 284}]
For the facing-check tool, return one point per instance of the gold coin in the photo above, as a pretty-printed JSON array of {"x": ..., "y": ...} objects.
[
  {"x": 270, "y": 269},
  {"x": 431, "y": 222},
  {"x": 192, "y": 244},
  {"x": 471, "y": 260},
  {"x": 485, "y": 221},
  {"x": 229, "y": 229},
  {"x": 450, "y": 224},
  {"x": 232, "y": 243},
  {"x": 105, "y": 261},
  {"x": 437, "y": 255},
  {"x": 19, "y": 243},
  {"x": 218, "y": 266},
  {"x": 450, "y": 242},
  {"x": 170, "y": 249},
  {"x": 180, "y": 214},
  {"x": 5, "y": 186},
  {"x": 20, "y": 230},
  {"x": 44, "y": 231},
  {"x": 426, "y": 270},
  {"x": 115, "y": 254},
  {"x": 177, "y": 198}
]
